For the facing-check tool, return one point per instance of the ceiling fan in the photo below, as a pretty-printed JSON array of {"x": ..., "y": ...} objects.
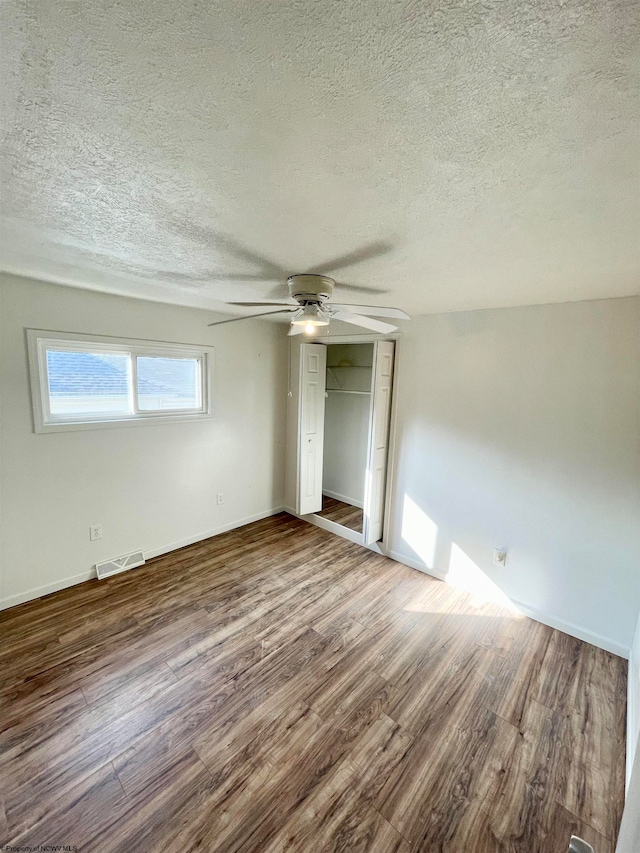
[{"x": 312, "y": 293}]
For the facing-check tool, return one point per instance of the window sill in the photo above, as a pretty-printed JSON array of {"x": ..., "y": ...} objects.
[{"x": 74, "y": 426}]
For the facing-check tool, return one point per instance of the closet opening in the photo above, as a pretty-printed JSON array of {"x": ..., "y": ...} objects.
[
  {"x": 338, "y": 430},
  {"x": 346, "y": 433}
]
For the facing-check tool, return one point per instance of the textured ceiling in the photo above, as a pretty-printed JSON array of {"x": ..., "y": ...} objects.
[{"x": 455, "y": 154}]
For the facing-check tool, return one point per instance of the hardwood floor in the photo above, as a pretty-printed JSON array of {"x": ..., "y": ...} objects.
[
  {"x": 342, "y": 513},
  {"x": 278, "y": 688}
]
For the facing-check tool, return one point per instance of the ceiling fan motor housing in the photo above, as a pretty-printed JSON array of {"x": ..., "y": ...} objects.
[{"x": 309, "y": 287}]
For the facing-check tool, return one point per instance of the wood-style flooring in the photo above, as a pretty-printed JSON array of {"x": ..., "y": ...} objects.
[
  {"x": 342, "y": 513},
  {"x": 277, "y": 688}
]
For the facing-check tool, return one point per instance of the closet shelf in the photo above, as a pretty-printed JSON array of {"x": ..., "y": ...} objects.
[{"x": 346, "y": 391}]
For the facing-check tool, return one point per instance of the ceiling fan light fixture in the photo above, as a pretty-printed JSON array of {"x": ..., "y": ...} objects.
[
  {"x": 312, "y": 292},
  {"x": 311, "y": 316}
]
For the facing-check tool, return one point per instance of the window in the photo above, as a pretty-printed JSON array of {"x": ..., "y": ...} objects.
[{"x": 81, "y": 382}]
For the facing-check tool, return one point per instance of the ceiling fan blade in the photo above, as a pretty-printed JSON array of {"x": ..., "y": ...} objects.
[
  {"x": 253, "y": 316},
  {"x": 264, "y": 304},
  {"x": 372, "y": 310},
  {"x": 365, "y": 322}
]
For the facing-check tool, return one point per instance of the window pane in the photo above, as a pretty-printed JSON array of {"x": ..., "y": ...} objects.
[
  {"x": 86, "y": 383},
  {"x": 168, "y": 383}
]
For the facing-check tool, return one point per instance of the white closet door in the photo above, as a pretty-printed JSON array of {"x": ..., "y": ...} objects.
[
  {"x": 313, "y": 369},
  {"x": 376, "y": 474}
]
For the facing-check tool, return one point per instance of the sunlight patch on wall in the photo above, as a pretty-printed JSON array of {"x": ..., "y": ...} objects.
[{"x": 419, "y": 531}]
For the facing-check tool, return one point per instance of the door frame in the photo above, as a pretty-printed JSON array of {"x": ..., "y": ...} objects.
[{"x": 389, "y": 491}]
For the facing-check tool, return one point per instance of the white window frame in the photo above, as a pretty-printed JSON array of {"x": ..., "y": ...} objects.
[{"x": 39, "y": 341}]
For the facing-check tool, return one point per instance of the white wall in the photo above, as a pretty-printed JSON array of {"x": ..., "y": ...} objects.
[
  {"x": 520, "y": 428},
  {"x": 151, "y": 486}
]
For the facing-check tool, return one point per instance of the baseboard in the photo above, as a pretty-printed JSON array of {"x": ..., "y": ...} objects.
[
  {"x": 225, "y": 528},
  {"x": 344, "y": 498},
  {"x": 577, "y": 631},
  {"x": 414, "y": 564},
  {"x": 39, "y": 592},
  {"x": 90, "y": 574}
]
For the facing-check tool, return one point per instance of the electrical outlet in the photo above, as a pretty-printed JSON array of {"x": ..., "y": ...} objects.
[
  {"x": 220, "y": 498},
  {"x": 499, "y": 557},
  {"x": 95, "y": 532}
]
